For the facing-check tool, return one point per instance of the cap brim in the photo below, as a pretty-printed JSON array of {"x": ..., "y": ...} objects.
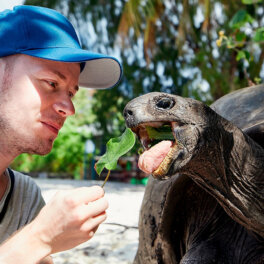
[{"x": 100, "y": 71}]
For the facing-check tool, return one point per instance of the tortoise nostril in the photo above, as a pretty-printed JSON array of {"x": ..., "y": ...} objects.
[{"x": 128, "y": 113}]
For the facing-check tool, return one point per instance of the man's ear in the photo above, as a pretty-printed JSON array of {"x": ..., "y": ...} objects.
[
  {"x": 2, "y": 69},
  {"x": 2, "y": 63}
]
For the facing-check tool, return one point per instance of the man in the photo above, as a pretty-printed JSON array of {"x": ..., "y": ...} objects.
[{"x": 41, "y": 66}]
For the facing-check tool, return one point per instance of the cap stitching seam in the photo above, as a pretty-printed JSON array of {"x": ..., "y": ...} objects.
[{"x": 24, "y": 26}]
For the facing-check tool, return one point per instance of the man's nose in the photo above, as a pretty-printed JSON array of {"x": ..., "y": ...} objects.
[{"x": 64, "y": 106}]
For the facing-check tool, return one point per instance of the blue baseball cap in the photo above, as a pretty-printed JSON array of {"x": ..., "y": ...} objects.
[{"x": 45, "y": 33}]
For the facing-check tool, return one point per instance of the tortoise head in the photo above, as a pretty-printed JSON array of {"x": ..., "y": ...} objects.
[{"x": 155, "y": 117}]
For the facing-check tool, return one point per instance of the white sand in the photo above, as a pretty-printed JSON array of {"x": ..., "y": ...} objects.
[{"x": 116, "y": 240}]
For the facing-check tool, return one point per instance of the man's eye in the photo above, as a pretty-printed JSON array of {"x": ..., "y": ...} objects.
[{"x": 53, "y": 84}]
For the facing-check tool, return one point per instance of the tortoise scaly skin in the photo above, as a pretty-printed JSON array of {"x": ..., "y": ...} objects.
[{"x": 207, "y": 206}]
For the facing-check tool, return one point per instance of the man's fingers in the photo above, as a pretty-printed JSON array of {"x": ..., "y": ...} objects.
[
  {"x": 92, "y": 223},
  {"x": 83, "y": 195},
  {"x": 93, "y": 209}
]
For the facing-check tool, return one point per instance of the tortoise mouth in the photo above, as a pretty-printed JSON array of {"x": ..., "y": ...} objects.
[{"x": 152, "y": 133}]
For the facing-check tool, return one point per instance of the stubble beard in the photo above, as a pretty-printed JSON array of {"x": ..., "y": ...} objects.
[
  {"x": 11, "y": 137},
  {"x": 19, "y": 142}
]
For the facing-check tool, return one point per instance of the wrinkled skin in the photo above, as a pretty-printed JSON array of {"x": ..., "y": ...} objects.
[{"x": 210, "y": 208}]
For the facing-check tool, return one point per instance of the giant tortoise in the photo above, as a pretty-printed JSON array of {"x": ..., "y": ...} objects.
[{"x": 205, "y": 202}]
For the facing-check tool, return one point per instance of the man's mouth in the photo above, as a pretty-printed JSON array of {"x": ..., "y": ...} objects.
[
  {"x": 52, "y": 127},
  {"x": 160, "y": 147}
]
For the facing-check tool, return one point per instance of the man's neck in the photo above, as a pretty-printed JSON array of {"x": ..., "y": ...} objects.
[
  {"x": 3, "y": 184},
  {"x": 6, "y": 156},
  {"x": 4, "y": 163}
]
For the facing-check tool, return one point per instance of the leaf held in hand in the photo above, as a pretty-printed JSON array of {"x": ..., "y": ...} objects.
[{"x": 115, "y": 148}]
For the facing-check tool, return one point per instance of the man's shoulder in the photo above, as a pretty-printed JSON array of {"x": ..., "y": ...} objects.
[
  {"x": 26, "y": 189},
  {"x": 25, "y": 203},
  {"x": 22, "y": 179}
]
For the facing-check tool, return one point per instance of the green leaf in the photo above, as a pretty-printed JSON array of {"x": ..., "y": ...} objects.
[
  {"x": 240, "y": 19},
  {"x": 162, "y": 133},
  {"x": 243, "y": 54},
  {"x": 230, "y": 44},
  {"x": 115, "y": 148},
  {"x": 259, "y": 36},
  {"x": 240, "y": 36},
  {"x": 240, "y": 55},
  {"x": 251, "y": 2},
  {"x": 257, "y": 80},
  {"x": 247, "y": 55}
]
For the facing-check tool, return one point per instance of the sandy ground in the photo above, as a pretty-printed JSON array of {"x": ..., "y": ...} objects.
[{"x": 116, "y": 240}]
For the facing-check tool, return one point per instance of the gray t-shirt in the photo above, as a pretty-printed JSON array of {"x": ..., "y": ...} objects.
[{"x": 23, "y": 206}]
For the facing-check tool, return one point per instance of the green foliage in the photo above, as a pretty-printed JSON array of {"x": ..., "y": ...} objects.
[
  {"x": 161, "y": 133},
  {"x": 246, "y": 45},
  {"x": 259, "y": 35},
  {"x": 251, "y": 2},
  {"x": 167, "y": 46},
  {"x": 240, "y": 19},
  {"x": 162, "y": 41},
  {"x": 115, "y": 148},
  {"x": 107, "y": 106}
]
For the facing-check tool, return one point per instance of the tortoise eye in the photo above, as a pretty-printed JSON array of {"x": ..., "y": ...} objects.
[{"x": 165, "y": 103}]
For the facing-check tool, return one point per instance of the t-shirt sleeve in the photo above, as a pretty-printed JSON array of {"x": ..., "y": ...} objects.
[
  {"x": 28, "y": 191},
  {"x": 37, "y": 202},
  {"x": 25, "y": 203}
]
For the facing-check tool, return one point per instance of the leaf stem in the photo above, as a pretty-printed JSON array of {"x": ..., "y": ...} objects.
[{"x": 107, "y": 176}]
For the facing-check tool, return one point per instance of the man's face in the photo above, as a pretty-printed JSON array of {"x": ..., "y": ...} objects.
[{"x": 35, "y": 100}]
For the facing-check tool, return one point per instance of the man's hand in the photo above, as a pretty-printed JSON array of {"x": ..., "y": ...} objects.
[
  {"x": 69, "y": 219},
  {"x": 46, "y": 260}
]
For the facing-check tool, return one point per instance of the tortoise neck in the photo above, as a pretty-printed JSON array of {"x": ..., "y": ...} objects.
[{"x": 234, "y": 176}]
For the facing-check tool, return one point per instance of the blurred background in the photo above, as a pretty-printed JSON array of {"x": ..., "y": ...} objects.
[{"x": 194, "y": 48}]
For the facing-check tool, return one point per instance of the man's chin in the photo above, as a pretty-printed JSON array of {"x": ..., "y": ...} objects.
[
  {"x": 43, "y": 152},
  {"x": 43, "y": 148}
]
